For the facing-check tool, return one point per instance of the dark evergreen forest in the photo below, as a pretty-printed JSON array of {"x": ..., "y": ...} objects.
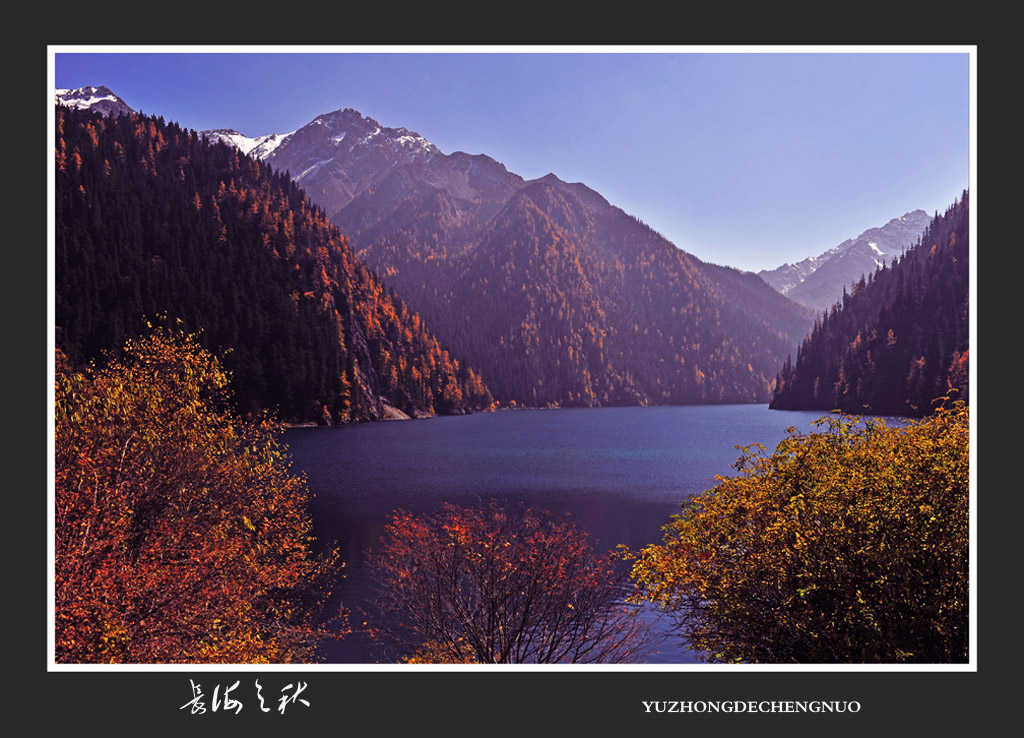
[
  {"x": 154, "y": 224},
  {"x": 898, "y": 341}
]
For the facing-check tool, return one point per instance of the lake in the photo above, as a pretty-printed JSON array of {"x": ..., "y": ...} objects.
[{"x": 620, "y": 472}]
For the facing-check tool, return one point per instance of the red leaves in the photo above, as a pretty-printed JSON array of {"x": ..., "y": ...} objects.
[
  {"x": 494, "y": 585},
  {"x": 180, "y": 534}
]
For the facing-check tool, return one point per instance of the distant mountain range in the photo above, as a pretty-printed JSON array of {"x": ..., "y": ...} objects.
[
  {"x": 339, "y": 155},
  {"x": 818, "y": 282},
  {"x": 553, "y": 294}
]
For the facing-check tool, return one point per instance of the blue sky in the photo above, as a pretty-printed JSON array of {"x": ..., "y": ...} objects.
[{"x": 741, "y": 158}]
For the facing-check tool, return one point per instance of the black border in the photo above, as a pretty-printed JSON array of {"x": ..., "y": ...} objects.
[{"x": 120, "y": 702}]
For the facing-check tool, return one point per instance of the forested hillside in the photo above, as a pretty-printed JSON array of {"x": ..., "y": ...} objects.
[
  {"x": 554, "y": 295},
  {"x": 559, "y": 298},
  {"x": 899, "y": 340},
  {"x": 153, "y": 223}
]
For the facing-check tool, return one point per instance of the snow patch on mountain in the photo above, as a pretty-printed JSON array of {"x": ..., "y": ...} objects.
[
  {"x": 84, "y": 97},
  {"x": 259, "y": 147},
  {"x": 100, "y": 99},
  {"x": 307, "y": 172}
]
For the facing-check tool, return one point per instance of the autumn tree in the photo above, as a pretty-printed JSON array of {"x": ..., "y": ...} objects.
[
  {"x": 848, "y": 545},
  {"x": 490, "y": 584},
  {"x": 181, "y": 535}
]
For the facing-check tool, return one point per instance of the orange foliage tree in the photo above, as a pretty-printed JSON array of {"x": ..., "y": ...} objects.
[
  {"x": 493, "y": 585},
  {"x": 844, "y": 546},
  {"x": 181, "y": 534}
]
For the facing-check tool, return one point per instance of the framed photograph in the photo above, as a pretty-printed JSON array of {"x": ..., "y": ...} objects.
[{"x": 603, "y": 383}]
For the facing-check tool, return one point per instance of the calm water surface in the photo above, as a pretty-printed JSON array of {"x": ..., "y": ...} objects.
[{"x": 620, "y": 472}]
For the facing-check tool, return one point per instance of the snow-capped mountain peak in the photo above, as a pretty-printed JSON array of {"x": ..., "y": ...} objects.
[
  {"x": 350, "y": 129},
  {"x": 336, "y": 155},
  {"x": 101, "y": 99},
  {"x": 817, "y": 282},
  {"x": 345, "y": 130}
]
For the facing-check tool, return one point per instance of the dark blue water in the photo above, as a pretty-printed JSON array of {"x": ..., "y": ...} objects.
[{"x": 620, "y": 472}]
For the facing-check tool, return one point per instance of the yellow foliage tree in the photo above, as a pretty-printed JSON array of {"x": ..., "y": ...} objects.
[
  {"x": 844, "y": 546},
  {"x": 181, "y": 533}
]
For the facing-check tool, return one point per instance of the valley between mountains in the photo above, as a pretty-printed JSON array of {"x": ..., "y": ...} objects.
[{"x": 540, "y": 292}]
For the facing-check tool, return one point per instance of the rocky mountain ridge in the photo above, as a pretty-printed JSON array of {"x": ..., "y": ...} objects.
[{"x": 817, "y": 282}]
